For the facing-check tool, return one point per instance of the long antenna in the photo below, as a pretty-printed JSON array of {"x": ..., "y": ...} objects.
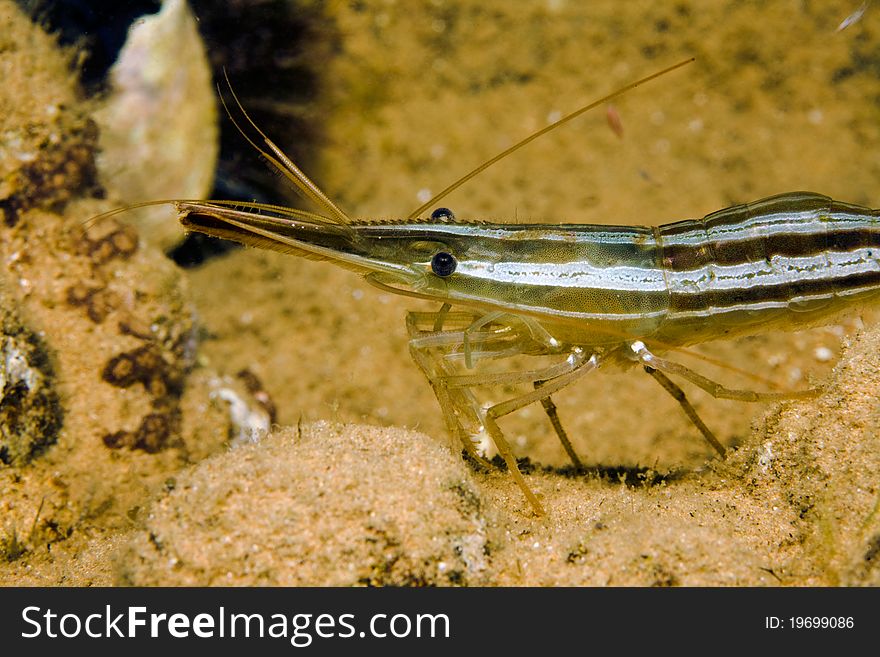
[
  {"x": 565, "y": 119},
  {"x": 281, "y": 162}
]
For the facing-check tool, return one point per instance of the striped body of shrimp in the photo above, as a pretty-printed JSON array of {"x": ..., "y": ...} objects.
[
  {"x": 584, "y": 295},
  {"x": 589, "y": 294},
  {"x": 782, "y": 262}
]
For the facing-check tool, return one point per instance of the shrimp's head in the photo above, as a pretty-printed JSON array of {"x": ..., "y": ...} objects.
[
  {"x": 401, "y": 256},
  {"x": 438, "y": 259}
]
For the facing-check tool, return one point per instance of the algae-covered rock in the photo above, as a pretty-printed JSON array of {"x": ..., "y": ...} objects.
[
  {"x": 113, "y": 313},
  {"x": 821, "y": 458},
  {"x": 30, "y": 412},
  {"x": 47, "y": 139}
]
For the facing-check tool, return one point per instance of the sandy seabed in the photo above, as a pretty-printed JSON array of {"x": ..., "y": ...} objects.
[{"x": 123, "y": 462}]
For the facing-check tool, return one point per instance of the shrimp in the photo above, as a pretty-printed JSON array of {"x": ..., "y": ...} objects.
[{"x": 584, "y": 296}]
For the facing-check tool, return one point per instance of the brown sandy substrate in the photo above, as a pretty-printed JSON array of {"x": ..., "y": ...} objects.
[
  {"x": 353, "y": 504},
  {"x": 368, "y": 490}
]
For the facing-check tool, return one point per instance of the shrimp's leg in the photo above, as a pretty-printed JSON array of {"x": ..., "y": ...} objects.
[
  {"x": 553, "y": 415},
  {"x": 715, "y": 389},
  {"x": 511, "y": 378},
  {"x": 491, "y": 414},
  {"x": 435, "y": 370},
  {"x": 475, "y": 328},
  {"x": 659, "y": 367},
  {"x": 536, "y": 377},
  {"x": 537, "y": 332},
  {"x": 433, "y": 351},
  {"x": 679, "y": 396}
]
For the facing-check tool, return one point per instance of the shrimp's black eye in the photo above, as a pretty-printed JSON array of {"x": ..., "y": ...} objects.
[
  {"x": 442, "y": 214},
  {"x": 443, "y": 264}
]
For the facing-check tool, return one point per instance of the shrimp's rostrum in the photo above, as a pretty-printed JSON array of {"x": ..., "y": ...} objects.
[{"x": 583, "y": 296}]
